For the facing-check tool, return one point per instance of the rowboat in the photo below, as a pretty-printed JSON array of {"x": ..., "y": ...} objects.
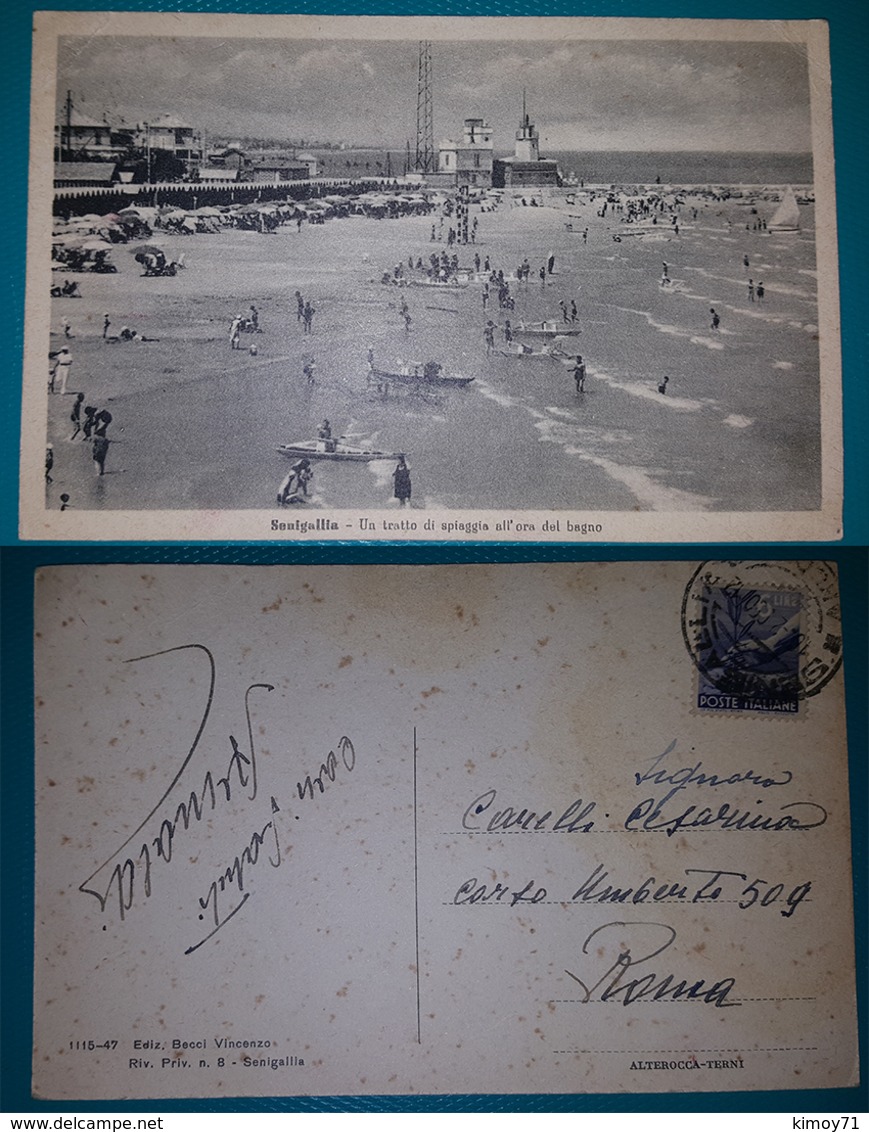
[
  {"x": 554, "y": 349},
  {"x": 548, "y": 326},
  {"x": 439, "y": 284},
  {"x": 419, "y": 373},
  {"x": 518, "y": 350},
  {"x": 486, "y": 277},
  {"x": 333, "y": 450}
]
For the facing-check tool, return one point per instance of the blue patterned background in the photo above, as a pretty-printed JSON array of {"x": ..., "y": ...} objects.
[{"x": 849, "y": 23}]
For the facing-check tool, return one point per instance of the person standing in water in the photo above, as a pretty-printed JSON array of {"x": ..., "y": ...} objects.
[
  {"x": 401, "y": 480},
  {"x": 75, "y": 415},
  {"x": 100, "y": 451}
]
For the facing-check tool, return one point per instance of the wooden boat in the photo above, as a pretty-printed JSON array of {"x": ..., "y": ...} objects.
[
  {"x": 518, "y": 350},
  {"x": 450, "y": 284},
  {"x": 653, "y": 232},
  {"x": 418, "y": 373},
  {"x": 548, "y": 326},
  {"x": 333, "y": 450},
  {"x": 554, "y": 349},
  {"x": 486, "y": 277}
]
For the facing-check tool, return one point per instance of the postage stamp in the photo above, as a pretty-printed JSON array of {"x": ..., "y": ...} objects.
[{"x": 763, "y": 636}]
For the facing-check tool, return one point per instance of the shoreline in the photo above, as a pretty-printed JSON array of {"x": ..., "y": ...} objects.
[{"x": 200, "y": 423}]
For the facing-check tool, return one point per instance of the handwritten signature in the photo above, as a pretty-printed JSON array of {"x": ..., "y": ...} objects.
[{"x": 129, "y": 871}]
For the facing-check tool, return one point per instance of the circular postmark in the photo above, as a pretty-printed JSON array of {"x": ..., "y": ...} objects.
[{"x": 763, "y": 635}]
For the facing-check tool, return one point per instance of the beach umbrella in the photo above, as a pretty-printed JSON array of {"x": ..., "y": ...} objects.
[
  {"x": 146, "y": 249},
  {"x": 88, "y": 244}
]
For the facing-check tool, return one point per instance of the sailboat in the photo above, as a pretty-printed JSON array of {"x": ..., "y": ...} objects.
[{"x": 787, "y": 215}]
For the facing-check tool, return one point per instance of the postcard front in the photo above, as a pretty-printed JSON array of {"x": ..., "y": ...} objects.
[
  {"x": 296, "y": 278},
  {"x": 352, "y": 830}
]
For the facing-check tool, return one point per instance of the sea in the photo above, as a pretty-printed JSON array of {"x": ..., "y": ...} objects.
[
  {"x": 615, "y": 167},
  {"x": 687, "y": 168}
]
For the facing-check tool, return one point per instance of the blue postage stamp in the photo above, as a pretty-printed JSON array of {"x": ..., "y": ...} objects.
[{"x": 749, "y": 655}]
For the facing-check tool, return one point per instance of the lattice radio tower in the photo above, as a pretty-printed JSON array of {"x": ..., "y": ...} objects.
[{"x": 425, "y": 154}]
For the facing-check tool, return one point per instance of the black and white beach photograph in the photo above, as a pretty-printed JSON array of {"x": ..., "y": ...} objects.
[{"x": 369, "y": 278}]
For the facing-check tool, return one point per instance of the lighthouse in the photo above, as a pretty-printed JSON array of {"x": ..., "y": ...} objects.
[
  {"x": 527, "y": 137},
  {"x": 526, "y": 167}
]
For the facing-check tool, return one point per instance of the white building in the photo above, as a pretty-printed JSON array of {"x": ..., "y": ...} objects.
[
  {"x": 469, "y": 161},
  {"x": 173, "y": 135}
]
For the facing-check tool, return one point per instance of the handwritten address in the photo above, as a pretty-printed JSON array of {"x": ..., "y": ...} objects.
[{"x": 664, "y": 812}]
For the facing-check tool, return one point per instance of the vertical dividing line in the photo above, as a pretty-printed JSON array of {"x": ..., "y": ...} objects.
[{"x": 416, "y": 888}]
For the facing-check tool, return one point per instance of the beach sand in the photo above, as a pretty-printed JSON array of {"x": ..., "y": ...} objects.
[{"x": 196, "y": 425}]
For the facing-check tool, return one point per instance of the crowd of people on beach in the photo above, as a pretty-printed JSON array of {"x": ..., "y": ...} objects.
[
  {"x": 445, "y": 268},
  {"x": 90, "y": 423},
  {"x": 502, "y": 289}
]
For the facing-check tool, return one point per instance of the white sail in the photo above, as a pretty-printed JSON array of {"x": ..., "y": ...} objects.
[{"x": 787, "y": 215}]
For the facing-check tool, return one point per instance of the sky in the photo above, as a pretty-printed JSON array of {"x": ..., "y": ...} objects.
[{"x": 583, "y": 95}]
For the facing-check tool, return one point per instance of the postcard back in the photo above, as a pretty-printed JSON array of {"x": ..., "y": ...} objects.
[{"x": 397, "y": 829}]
